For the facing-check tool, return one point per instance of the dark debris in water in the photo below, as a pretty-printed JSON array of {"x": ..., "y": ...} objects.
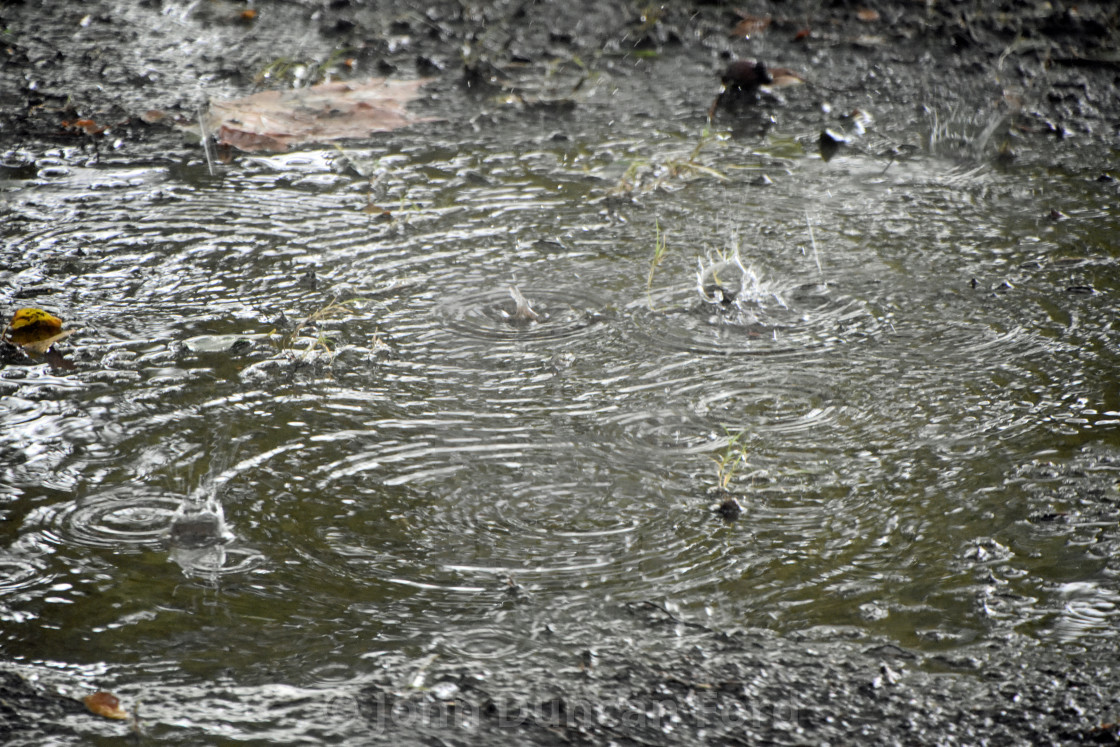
[{"x": 729, "y": 508}]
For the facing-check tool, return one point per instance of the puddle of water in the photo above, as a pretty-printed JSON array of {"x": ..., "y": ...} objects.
[{"x": 424, "y": 474}]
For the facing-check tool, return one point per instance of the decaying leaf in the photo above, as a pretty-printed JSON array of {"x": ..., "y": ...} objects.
[
  {"x": 783, "y": 77},
  {"x": 105, "y": 704},
  {"x": 749, "y": 25},
  {"x": 277, "y": 120},
  {"x": 89, "y": 126},
  {"x": 29, "y": 326},
  {"x": 34, "y": 331}
]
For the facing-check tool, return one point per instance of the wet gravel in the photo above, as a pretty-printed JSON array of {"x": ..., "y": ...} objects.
[{"x": 755, "y": 688}]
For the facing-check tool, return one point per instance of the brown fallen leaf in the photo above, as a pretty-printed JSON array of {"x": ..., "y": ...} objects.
[
  {"x": 277, "y": 120},
  {"x": 105, "y": 704},
  {"x": 867, "y": 15},
  {"x": 749, "y": 24},
  {"x": 783, "y": 77},
  {"x": 89, "y": 126}
]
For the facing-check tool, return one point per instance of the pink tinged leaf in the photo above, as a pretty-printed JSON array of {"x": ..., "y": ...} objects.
[{"x": 277, "y": 120}]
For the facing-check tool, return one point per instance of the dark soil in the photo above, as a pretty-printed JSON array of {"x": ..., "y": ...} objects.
[{"x": 90, "y": 75}]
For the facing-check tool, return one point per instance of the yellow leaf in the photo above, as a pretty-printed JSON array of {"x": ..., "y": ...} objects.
[
  {"x": 105, "y": 704},
  {"x": 32, "y": 325}
]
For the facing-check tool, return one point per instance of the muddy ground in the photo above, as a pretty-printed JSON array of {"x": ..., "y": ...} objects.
[
  {"x": 832, "y": 686},
  {"x": 86, "y": 77},
  {"x": 89, "y": 75}
]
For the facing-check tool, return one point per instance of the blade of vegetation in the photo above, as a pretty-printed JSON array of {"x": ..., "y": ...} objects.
[{"x": 659, "y": 249}]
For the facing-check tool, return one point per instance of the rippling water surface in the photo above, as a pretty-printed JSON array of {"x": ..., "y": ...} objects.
[{"x": 920, "y": 372}]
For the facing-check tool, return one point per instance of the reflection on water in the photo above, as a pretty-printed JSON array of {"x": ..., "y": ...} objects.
[{"x": 439, "y": 472}]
